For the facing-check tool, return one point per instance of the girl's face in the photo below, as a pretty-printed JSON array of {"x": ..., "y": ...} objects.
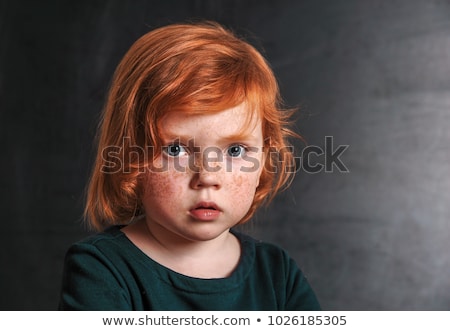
[{"x": 204, "y": 181}]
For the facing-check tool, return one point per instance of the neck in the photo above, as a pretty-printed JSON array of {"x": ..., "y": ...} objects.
[
  {"x": 214, "y": 258},
  {"x": 179, "y": 246}
]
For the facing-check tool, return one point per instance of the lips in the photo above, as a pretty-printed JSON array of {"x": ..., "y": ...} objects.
[{"x": 205, "y": 211}]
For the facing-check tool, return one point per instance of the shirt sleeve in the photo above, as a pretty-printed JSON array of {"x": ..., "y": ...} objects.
[
  {"x": 300, "y": 295},
  {"x": 91, "y": 282}
]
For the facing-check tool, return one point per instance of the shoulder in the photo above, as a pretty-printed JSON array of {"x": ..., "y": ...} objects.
[
  {"x": 109, "y": 234},
  {"x": 109, "y": 237},
  {"x": 100, "y": 258},
  {"x": 265, "y": 251},
  {"x": 109, "y": 245},
  {"x": 277, "y": 267},
  {"x": 268, "y": 259},
  {"x": 92, "y": 261}
]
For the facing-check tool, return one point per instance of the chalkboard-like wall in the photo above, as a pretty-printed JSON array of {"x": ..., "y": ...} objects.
[{"x": 369, "y": 224}]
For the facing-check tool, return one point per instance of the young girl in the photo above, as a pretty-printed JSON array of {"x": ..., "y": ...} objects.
[{"x": 192, "y": 142}]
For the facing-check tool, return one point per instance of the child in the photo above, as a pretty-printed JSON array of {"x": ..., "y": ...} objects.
[{"x": 192, "y": 142}]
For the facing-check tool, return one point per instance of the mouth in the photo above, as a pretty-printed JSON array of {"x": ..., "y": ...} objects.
[
  {"x": 205, "y": 211},
  {"x": 206, "y": 205}
]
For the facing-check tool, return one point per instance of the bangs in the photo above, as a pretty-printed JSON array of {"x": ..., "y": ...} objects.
[{"x": 223, "y": 80}]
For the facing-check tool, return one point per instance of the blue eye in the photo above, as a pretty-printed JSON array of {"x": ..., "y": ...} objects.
[
  {"x": 174, "y": 150},
  {"x": 236, "y": 150}
]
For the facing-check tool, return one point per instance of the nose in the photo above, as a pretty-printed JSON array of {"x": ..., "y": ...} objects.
[{"x": 207, "y": 175}]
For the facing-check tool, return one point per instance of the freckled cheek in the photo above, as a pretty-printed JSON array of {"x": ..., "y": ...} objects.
[
  {"x": 162, "y": 189},
  {"x": 243, "y": 191}
]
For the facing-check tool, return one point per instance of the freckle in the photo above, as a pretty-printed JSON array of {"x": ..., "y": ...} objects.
[{"x": 238, "y": 180}]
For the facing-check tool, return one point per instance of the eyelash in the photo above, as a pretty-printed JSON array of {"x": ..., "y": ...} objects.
[{"x": 176, "y": 150}]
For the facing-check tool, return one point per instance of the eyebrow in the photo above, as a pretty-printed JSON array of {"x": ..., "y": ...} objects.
[{"x": 238, "y": 137}]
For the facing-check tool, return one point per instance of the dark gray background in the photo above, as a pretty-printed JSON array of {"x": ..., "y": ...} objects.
[{"x": 374, "y": 75}]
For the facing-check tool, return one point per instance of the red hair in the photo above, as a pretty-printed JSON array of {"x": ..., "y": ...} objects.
[{"x": 194, "y": 68}]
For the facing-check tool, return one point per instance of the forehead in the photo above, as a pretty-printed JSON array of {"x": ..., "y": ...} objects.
[{"x": 236, "y": 122}]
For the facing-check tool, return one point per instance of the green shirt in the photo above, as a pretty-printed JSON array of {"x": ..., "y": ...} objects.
[{"x": 108, "y": 272}]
